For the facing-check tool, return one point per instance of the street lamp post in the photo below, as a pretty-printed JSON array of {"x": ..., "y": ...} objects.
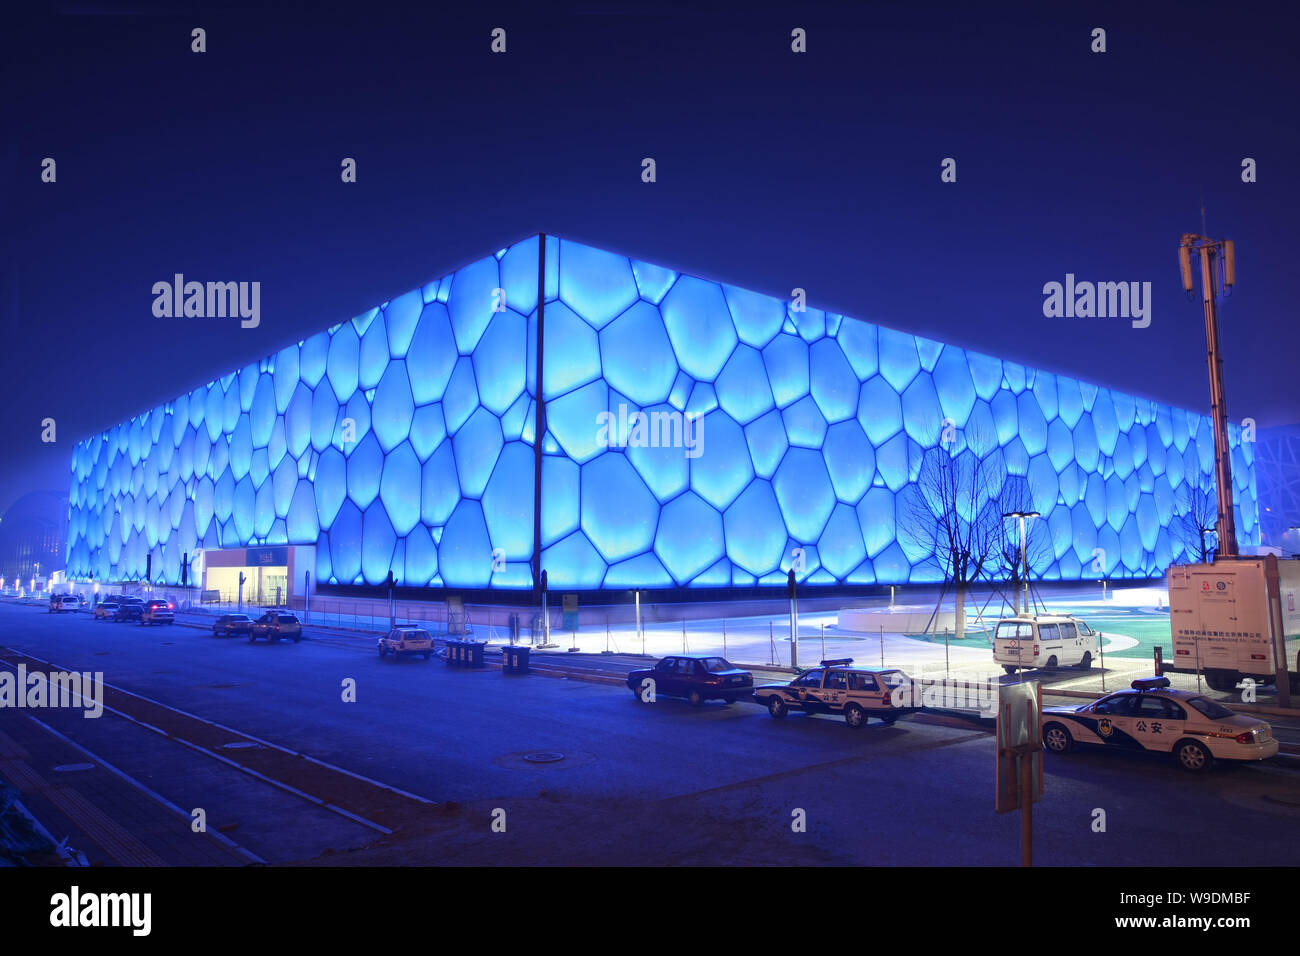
[{"x": 1024, "y": 553}]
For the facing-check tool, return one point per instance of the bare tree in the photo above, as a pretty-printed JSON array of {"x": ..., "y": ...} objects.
[
  {"x": 1196, "y": 518},
  {"x": 951, "y": 515}
]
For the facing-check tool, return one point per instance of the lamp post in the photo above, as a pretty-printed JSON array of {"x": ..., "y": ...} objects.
[{"x": 1024, "y": 553}]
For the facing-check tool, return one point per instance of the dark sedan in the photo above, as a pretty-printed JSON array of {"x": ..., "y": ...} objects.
[
  {"x": 230, "y": 625},
  {"x": 128, "y": 611},
  {"x": 697, "y": 677}
]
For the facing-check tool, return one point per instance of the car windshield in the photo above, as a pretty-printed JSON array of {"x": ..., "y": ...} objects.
[
  {"x": 288, "y": 619},
  {"x": 1211, "y": 709},
  {"x": 715, "y": 664},
  {"x": 416, "y": 635}
]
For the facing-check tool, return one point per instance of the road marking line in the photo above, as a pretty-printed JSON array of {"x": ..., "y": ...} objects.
[{"x": 219, "y": 837}]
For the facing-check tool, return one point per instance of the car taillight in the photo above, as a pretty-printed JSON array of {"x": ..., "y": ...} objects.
[
  {"x": 1035, "y": 650},
  {"x": 1183, "y": 651}
]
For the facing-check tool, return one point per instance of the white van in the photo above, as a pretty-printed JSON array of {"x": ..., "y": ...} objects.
[
  {"x": 1048, "y": 641},
  {"x": 64, "y": 602}
]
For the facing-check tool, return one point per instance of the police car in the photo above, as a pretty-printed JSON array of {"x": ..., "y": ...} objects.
[
  {"x": 1153, "y": 716},
  {"x": 836, "y": 687}
]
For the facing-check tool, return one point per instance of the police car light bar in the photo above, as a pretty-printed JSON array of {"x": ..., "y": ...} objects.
[
  {"x": 838, "y": 662},
  {"x": 1150, "y": 683}
]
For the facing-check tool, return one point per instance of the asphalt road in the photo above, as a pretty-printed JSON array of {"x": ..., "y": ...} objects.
[{"x": 658, "y": 784}]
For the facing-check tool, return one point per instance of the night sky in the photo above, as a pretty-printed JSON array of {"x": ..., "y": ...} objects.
[{"x": 775, "y": 170}]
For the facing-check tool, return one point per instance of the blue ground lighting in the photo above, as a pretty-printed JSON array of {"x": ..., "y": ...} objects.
[{"x": 809, "y": 426}]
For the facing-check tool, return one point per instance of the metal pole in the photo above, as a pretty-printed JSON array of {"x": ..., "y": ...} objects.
[
  {"x": 1027, "y": 798},
  {"x": 1226, "y": 524},
  {"x": 539, "y": 424},
  {"x": 1024, "y": 557},
  {"x": 882, "y": 645},
  {"x": 724, "y": 637},
  {"x": 638, "y": 620},
  {"x": 823, "y": 640},
  {"x": 1277, "y": 632},
  {"x": 1101, "y": 650},
  {"x": 683, "y": 635}
]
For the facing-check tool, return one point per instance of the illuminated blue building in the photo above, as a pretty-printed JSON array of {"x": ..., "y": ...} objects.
[{"x": 405, "y": 439}]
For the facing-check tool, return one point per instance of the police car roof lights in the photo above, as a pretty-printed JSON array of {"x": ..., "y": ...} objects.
[
  {"x": 1150, "y": 683},
  {"x": 838, "y": 662}
]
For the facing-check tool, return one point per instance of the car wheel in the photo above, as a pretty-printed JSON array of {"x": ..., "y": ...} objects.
[
  {"x": 1009, "y": 668},
  {"x": 696, "y": 698},
  {"x": 297, "y": 638},
  {"x": 1051, "y": 664},
  {"x": 427, "y": 655},
  {"x": 383, "y": 652},
  {"x": 252, "y": 638},
  {"x": 889, "y": 719},
  {"x": 1057, "y": 739},
  {"x": 1194, "y": 756},
  {"x": 855, "y": 716},
  {"x": 1086, "y": 663},
  {"x": 776, "y": 707}
]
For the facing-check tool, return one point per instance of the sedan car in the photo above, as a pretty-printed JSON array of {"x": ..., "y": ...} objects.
[
  {"x": 228, "y": 625},
  {"x": 697, "y": 677},
  {"x": 836, "y": 687},
  {"x": 1151, "y": 716},
  {"x": 106, "y": 611},
  {"x": 406, "y": 640},
  {"x": 274, "y": 625},
  {"x": 157, "y": 612},
  {"x": 128, "y": 610}
]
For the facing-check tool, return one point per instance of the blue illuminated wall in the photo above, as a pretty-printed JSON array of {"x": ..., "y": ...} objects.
[{"x": 811, "y": 424}]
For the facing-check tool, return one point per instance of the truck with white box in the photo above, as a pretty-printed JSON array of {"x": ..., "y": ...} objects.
[{"x": 1222, "y": 621}]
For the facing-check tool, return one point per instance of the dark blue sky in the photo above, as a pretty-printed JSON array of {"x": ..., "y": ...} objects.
[{"x": 775, "y": 170}]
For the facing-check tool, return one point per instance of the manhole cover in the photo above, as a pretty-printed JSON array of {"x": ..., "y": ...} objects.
[
  {"x": 73, "y": 767},
  {"x": 241, "y": 745},
  {"x": 544, "y": 756}
]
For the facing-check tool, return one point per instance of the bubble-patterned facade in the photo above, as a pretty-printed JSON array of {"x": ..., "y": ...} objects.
[{"x": 404, "y": 439}]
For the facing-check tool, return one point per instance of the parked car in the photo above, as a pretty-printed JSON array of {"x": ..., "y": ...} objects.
[
  {"x": 229, "y": 625},
  {"x": 106, "y": 611},
  {"x": 836, "y": 687},
  {"x": 274, "y": 625},
  {"x": 64, "y": 602},
  {"x": 1047, "y": 641},
  {"x": 157, "y": 612},
  {"x": 1153, "y": 716},
  {"x": 697, "y": 677},
  {"x": 129, "y": 609},
  {"x": 406, "y": 640}
]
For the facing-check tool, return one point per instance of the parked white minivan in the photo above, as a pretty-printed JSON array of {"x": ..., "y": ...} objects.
[{"x": 1048, "y": 641}]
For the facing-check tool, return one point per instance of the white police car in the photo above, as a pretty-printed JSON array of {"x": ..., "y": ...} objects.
[
  {"x": 836, "y": 687},
  {"x": 1153, "y": 716}
]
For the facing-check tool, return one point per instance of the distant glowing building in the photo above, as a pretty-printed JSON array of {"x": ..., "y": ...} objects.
[{"x": 405, "y": 440}]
